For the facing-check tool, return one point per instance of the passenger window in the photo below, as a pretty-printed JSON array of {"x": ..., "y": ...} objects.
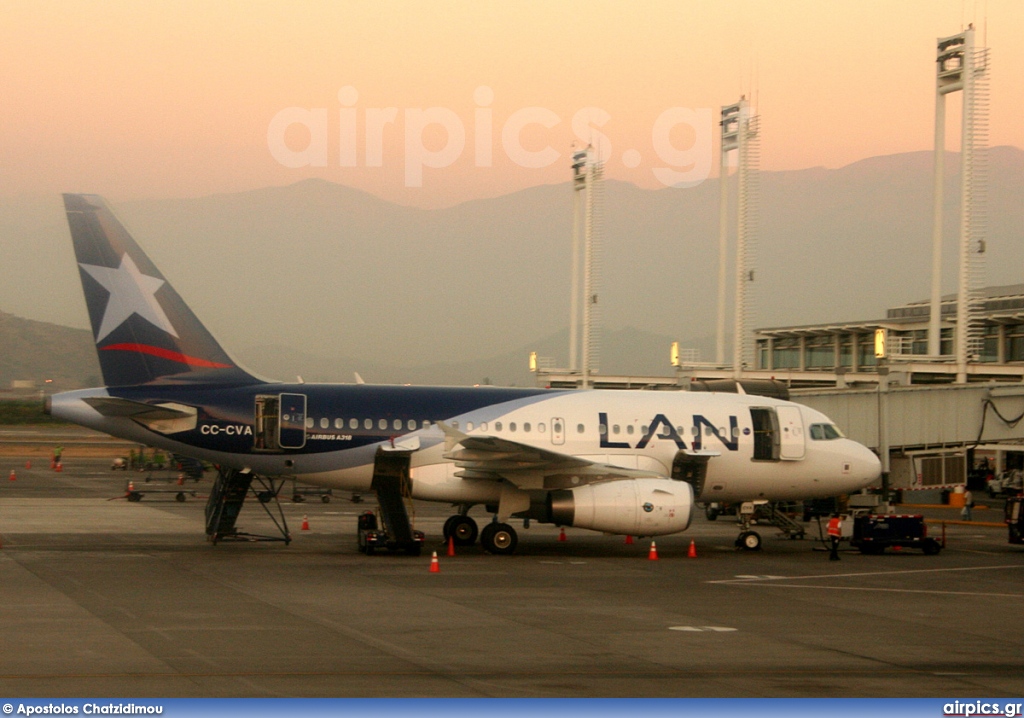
[
  {"x": 615, "y": 428},
  {"x": 694, "y": 430},
  {"x": 426, "y": 424},
  {"x": 680, "y": 430},
  {"x": 339, "y": 423},
  {"x": 469, "y": 426},
  {"x": 512, "y": 426},
  {"x": 527, "y": 426},
  {"x": 629, "y": 428},
  {"x": 455, "y": 425},
  {"x": 483, "y": 426},
  {"x": 396, "y": 424},
  {"x": 411, "y": 425},
  {"x": 557, "y": 428},
  {"x": 353, "y": 423},
  {"x": 309, "y": 422},
  {"x": 541, "y": 427},
  {"x": 325, "y": 422},
  {"x": 580, "y": 428},
  {"x": 643, "y": 430},
  {"x": 497, "y": 426},
  {"x": 382, "y": 423},
  {"x": 367, "y": 423}
]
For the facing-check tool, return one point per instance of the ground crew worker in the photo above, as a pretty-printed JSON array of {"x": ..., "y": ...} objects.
[
  {"x": 57, "y": 453},
  {"x": 965, "y": 512},
  {"x": 835, "y": 531}
]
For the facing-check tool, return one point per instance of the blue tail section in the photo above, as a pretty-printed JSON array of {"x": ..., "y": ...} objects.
[{"x": 144, "y": 332}]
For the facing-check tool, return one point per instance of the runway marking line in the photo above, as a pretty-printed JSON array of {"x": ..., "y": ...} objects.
[
  {"x": 775, "y": 581},
  {"x": 893, "y": 590}
]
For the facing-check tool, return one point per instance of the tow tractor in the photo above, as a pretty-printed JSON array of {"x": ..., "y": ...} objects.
[
  {"x": 873, "y": 533},
  {"x": 1015, "y": 518}
]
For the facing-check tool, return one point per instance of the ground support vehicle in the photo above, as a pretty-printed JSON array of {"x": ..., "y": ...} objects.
[
  {"x": 374, "y": 535},
  {"x": 873, "y": 533}
]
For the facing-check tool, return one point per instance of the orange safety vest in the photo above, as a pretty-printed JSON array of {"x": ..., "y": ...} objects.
[{"x": 833, "y": 527}]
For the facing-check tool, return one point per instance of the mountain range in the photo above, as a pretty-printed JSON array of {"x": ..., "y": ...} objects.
[{"x": 329, "y": 278}]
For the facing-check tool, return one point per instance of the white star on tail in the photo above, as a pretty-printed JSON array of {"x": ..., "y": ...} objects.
[{"x": 131, "y": 292}]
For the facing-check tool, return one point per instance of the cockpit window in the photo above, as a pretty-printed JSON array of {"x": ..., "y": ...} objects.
[{"x": 825, "y": 432}]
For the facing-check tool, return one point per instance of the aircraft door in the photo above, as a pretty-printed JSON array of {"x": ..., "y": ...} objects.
[
  {"x": 791, "y": 430},
  {"x": 557, "y": 431},
  {"x": 292, "y": 426},
  {"x": 266, "y": 422}
]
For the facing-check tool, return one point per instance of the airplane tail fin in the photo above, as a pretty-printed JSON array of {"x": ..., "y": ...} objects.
[{"x": 144, "y": 332}]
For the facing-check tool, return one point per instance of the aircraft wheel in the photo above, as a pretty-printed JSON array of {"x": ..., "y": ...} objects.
[
  {"x": 134, "y": 496},
  {"x": 463, "y": 530},
  {"x": 749, "y": 541},
  {"x": 446, "y": 531},
  {"x": 325, "y": 499},
  {"x": 711, "y": 513},
  {"x": 499, "y": 539},
  {"x": 179, "y": 497}
]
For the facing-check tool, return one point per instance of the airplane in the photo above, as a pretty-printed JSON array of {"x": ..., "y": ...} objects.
[{"x": 619, "y": 462}]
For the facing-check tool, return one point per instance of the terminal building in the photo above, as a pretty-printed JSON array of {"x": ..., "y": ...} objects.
[{"x": 844, "y": 353}]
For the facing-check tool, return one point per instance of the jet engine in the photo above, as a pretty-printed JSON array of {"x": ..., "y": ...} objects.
[{"x": 638, "y": 507}]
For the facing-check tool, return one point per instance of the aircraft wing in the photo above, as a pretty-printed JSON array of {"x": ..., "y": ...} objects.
[{"x": 528, "y": 467}]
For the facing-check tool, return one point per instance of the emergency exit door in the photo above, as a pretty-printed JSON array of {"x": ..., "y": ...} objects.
[{"x": 557, "y": 431}]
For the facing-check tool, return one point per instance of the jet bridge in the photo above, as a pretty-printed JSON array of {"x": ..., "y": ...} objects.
[{"x": 942, "y": 422}]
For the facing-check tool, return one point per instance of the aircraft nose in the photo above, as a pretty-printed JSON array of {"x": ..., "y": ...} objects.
[{"x": 865, "y": 466}]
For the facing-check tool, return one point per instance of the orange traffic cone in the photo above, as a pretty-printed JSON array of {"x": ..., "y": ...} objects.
[
  {"x": 305, "y": 523},
  {"x": 629, "y": 540},
  {"x": 28, "y": 464},
  {"x": 692, "y": 552},
  {"x": 60, "y": 467},
  {"x": 561, "y": 535},
  {"x": 131, "y": 488},
  {"x": 451, "y": 545},
  {"x": 435, "y": 567},
  {"x": 652, "y": 555},
  {"x": 12, "y": 477}
]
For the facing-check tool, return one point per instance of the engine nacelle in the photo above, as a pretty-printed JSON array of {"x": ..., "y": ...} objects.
[{"x": 637, "y": 507}]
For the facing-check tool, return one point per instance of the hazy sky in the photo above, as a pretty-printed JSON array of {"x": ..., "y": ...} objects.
[{"x": 164, "y": 99}]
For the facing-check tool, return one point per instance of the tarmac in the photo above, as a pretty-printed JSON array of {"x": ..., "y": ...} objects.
[{"x": 102, "y": 597}]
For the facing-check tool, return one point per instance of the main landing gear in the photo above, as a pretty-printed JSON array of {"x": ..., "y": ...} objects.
[
  {"x": 461, "y": 529},
  {"x": 497, "y": 538}
]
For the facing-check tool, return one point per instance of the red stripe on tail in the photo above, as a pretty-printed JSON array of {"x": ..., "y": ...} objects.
[{"x": 166, "y": 354}]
